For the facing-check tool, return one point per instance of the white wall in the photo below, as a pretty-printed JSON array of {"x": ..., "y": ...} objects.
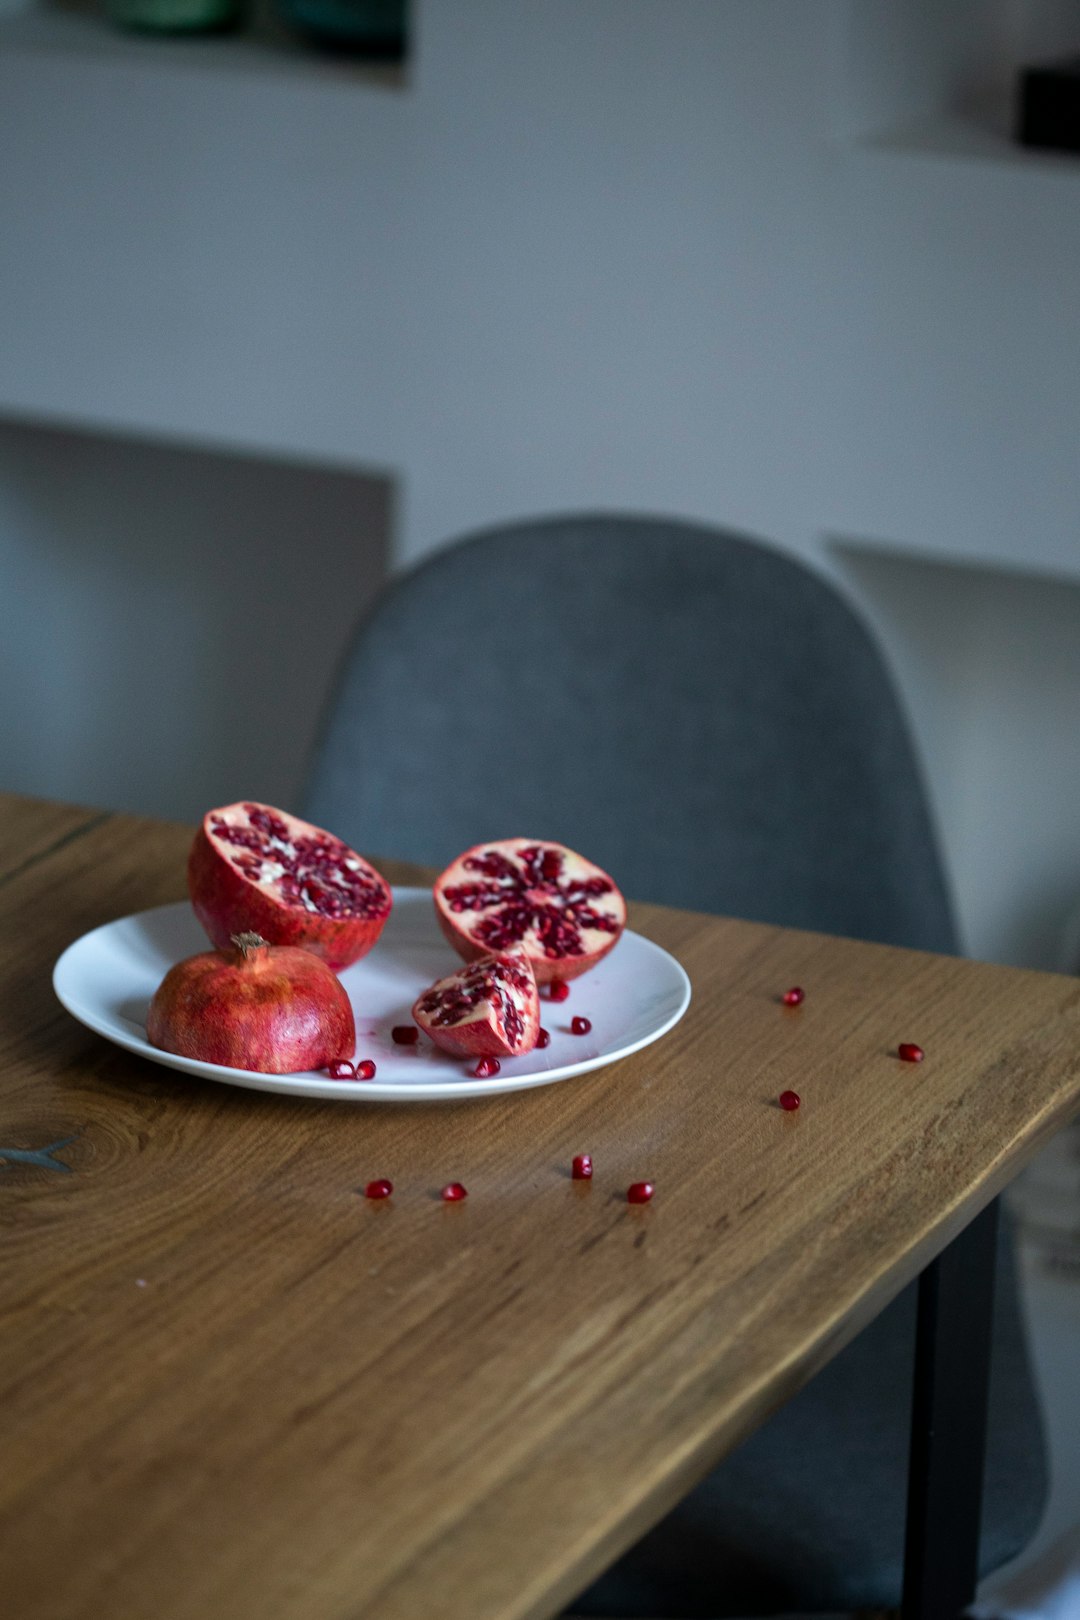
[{"x": 682, "y": 255}]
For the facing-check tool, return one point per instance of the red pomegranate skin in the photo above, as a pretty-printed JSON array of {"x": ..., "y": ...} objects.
[
  {"x": 272, "y": 1009},
  {"x": 239, "y": 882},
  {"x": 489, "y": 1008},
  {"x": 565, "y": 912}
]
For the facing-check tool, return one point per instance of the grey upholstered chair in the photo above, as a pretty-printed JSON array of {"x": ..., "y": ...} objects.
[{"x": 709, "y": 720}]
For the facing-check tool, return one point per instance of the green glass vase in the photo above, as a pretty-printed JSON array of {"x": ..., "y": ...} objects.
[{"x": 176, "y": 16}]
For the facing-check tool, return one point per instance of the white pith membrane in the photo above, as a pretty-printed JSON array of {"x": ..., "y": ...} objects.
[
  {"x": 303, "y": 866},
  {"x": 494, "y": 990},
  {"x": 532, "y": 893}
]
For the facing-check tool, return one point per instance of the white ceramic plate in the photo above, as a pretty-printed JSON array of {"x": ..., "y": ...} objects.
[{"x": 636, "y": 995}]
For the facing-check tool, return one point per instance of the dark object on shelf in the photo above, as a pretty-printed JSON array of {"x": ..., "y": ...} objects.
[
  {"x": 1050, "y": 106},
  {"x": 375, "y": 29},
  {"x": 177, "y": 16}
]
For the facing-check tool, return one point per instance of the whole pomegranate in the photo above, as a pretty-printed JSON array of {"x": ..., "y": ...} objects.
[
  {"x": 563, "y": 911},
  {"x": 271, "y": 1008},
  {"x": 488, "y": 1009},
  {"x": 255, "y": 868}
]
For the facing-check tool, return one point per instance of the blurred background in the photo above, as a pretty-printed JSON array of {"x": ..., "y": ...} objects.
[{"x": 275, "y": 323}]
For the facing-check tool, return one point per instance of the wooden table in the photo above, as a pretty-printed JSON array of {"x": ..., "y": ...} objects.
[{"x": 234, "y": 1389}]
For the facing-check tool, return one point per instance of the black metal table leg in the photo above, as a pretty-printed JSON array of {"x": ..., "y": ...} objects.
[{"x": 948, "y": 1424}]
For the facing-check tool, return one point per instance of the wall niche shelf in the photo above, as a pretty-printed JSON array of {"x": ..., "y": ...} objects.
[
  {"x": 977, "y": 139},
  {"x": 987, "y": 655},
  {"x": 175, "y": 584},
  {"x": 926, "y": 80},
  {"x": 262, "y": 45}
]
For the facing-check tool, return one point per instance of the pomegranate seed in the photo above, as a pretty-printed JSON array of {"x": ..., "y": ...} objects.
[
  {"x": 486, "y": 1067},
  {"x": 365, "y": 1070},
  {"x": 789, "y": 1101},
  {"x": 379, "y": 1189},
  {"x": 580, "y": 1026},
  {"x": 639, "y": 1192},
  {"x": 558, "y": 990},
  {"x": 910, "y": 1052},
  {"x": 341, "y": 1070},
  {"x": 405, "y": 1034},
  {"x": 794, "y": 997},
  {"x": 581, "y": 1169},
  {"x": 453, "y": 1192},
  {"x": 543, "y": 1039}
]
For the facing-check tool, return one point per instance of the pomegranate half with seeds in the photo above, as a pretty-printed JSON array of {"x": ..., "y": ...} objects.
[
  {"x": 255, "y": 868},
  {"x": 564, "y": 912},
  {"x": 488, "y": 1009}
]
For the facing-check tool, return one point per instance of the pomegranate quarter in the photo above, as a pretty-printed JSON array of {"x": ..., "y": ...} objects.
[
  {"x": 564, "y": 912},
  {"x": 255, "y": 868},
  {"x": 489, "y": 1009}
]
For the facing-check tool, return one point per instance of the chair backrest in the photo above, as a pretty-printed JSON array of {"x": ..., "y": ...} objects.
[{"x": 697, "y": 712}]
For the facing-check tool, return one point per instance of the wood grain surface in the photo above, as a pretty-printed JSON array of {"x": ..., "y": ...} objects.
[
  {"x": 30, "y": 829},
  {"x": 234, "y": 1389}
]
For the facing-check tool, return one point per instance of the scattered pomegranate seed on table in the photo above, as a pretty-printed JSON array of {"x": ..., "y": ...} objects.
[
  {"x": 581, "y": 1169},
  {"x": 789, "y": 1101},
  {"x": 580, "y": 1026},
  {"x": 486, "y": 1067},
  {"x": 379, "y": 1189},
  {"x": 365, "y": 1070},
  {"x": 639, "y": 1192},
  {"x": 543, "y": 1039},
  {"x": 558, "y": 990},
  {"x": 453, "y": 1193},
  {"x": 910, "y": 1053},
  {"x": 341, "y": 1070},
  {"x": 405, "y": 1034},
  {"x": 794, "y": 997}
]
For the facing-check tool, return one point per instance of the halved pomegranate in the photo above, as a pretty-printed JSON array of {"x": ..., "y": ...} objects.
[
  {"x": 488, "y": 1009},
  {"x": 256, "y": 868},
  {"x": 255, "y": 1006},
  {"x": 563, "y": 911}
]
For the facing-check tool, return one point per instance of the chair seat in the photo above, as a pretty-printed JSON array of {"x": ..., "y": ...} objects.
[{"x": 808, "y": 1514}]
